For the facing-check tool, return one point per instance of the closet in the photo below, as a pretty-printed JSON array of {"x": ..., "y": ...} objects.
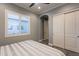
[
  {"x": 66, "y": 31},
  {"x": 77, "y": 31},
  {"x": 70, "y": 28},
  {"x": 58, "y": 30}
]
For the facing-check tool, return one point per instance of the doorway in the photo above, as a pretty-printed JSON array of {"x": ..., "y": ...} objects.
[{"x": 45, "y": 29}]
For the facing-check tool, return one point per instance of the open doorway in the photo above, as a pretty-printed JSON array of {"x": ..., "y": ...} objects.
[{"x": 45, "y": 29}]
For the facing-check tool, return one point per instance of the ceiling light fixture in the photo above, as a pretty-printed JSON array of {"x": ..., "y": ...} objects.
[{"x": 38, "y": 7}]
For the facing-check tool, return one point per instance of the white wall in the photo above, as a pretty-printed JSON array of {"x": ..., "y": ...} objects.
[{"x": 62, "y": 9}]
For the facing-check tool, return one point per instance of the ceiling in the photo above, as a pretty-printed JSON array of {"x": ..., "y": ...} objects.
[{"x": 43, "y": 7}]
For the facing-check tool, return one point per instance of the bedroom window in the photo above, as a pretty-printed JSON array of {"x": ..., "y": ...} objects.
[
  {"x": 13, "y": 24},
  {"x": 24, "y": 25},
  {"x": 17, "y": 24}
]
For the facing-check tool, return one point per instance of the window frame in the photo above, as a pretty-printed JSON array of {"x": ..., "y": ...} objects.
[{"x": 20, "y": 16}]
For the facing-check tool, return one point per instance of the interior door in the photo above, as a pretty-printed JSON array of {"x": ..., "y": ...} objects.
[
  {"x": 58, "y": 30},
  {"x": 70, "y": 39},
  {"x": 77, "y": 31}
]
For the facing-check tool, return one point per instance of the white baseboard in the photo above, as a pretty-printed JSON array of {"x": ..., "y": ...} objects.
[
  {"x": 50, "y": 44},
  {"x": 40, "y": 40}
]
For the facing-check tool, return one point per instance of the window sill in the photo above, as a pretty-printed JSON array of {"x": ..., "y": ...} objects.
[{"x": 14, "y": 35}]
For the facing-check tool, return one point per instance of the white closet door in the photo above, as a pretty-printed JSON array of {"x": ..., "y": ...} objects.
[
  {"x": 58, "y": 30},
  {"x": 70, "y": 39},
  {"x": 77, "y": 31}
]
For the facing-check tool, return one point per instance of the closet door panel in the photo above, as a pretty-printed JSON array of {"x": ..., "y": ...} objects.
[
  {"x": 77, "y": 31},
  {"x": 70, "y": 43},
  {"x": 70, "y": 23},
  {"x": 58, "y": 30},
  {"x": 70, "y": 39}
]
